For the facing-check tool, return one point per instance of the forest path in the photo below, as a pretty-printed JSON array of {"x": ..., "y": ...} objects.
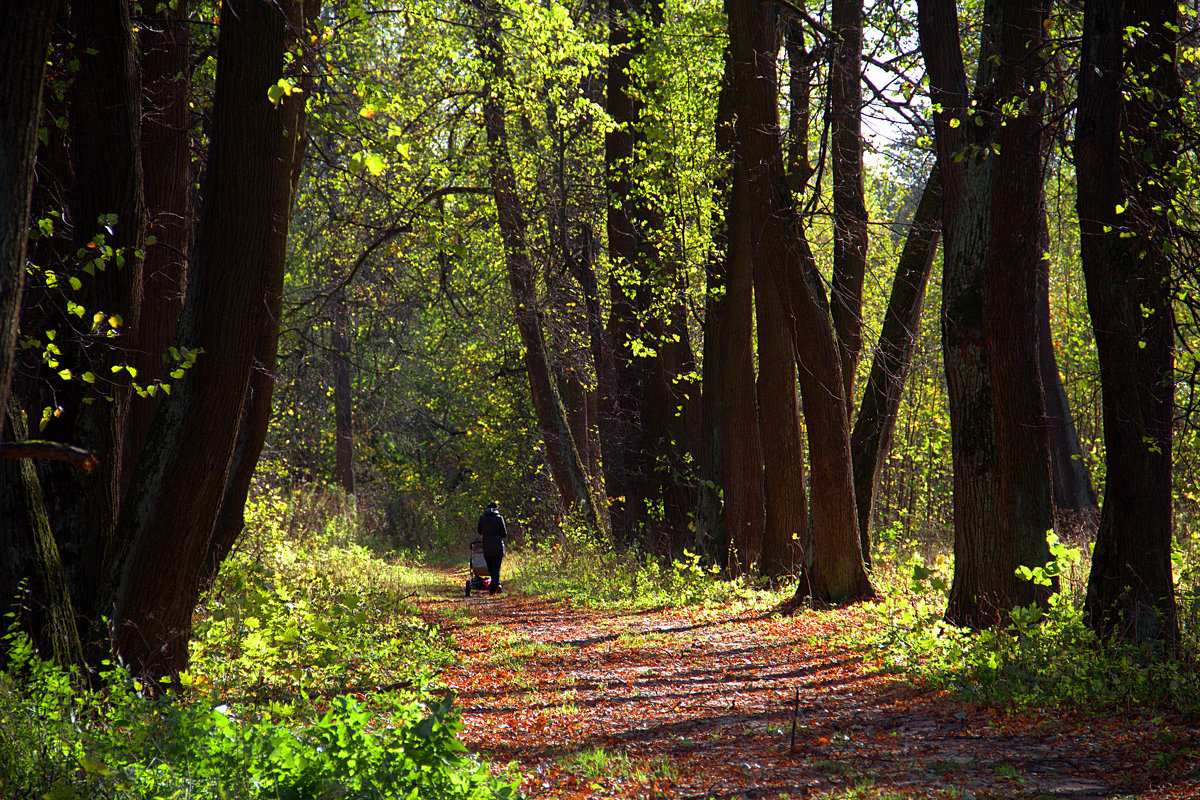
[{"x": 687, "y": 704}]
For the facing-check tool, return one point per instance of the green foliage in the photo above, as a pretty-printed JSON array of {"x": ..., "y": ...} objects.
[
  {"x": 1042, "y": 656},
  {"x": 311, "y": 677},
  {"x": 302, "y": 608},
  {"x": 582, "y": 567},
  {"x": 120, "y": 742}
]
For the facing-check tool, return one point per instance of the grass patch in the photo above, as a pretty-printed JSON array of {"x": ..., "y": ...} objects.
[{"x": 596, "y": 763}]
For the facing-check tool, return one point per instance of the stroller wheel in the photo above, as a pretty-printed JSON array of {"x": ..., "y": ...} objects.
[{"x": 467, "y": 593}]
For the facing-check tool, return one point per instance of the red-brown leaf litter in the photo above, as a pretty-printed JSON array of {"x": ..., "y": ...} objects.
[{"x": 687, "y": 704}]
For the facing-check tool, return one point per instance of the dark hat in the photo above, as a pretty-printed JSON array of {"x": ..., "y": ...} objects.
[{"x": 494, "y": 506}]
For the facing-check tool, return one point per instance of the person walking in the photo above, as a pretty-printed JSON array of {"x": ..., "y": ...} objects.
[{"x": 492, "y": 531}]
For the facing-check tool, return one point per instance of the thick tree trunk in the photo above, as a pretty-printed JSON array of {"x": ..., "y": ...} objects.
[
  {"x": 171, "y": 509},
  {"x": 1123, "y": 150},
  {"x": 1010, "y": 300},
  {"x": 741, "y": 446},
  {"x": 850, "y": 237},
  {"x": 836, "y": 573},
  {"x": 782, "y": 440},
  {"x": 24, "y": 37},
  {"x": 166, "y": 159},
  {"x": 1001, "y": 489},
  {"x": 710, "y": 531},
  {"x": 562, "y": 453},
  {"x": 872, "y": 435},
  {"x": 103, "y": 107}
]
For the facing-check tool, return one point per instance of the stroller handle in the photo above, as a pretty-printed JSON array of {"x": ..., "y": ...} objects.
[{"x": 477, "y": 544}]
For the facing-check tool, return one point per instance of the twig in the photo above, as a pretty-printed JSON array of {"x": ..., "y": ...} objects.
[{"x": 795, "y": 714}]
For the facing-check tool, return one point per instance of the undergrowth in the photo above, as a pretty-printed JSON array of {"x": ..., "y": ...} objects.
[
  {"x": 1044, "y": 657},
  {"x": 311, "y": 677},
  {"x": 583, "y": 568}
]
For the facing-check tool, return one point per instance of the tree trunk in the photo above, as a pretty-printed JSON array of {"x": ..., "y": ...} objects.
[
  {"x": 800, "y": 68},
  {"x": 24, "y": 37},
  {"x": 782, "y": 440},
  {"x": 177, "y": 491},
  {"x": 103, "y": 108},
  {"x": 166, "y": 160},
  {"x": 1076, "y": 511},
  {"x": 850, "y": 238},
  {"x": 46, "y": 599},
  {"x": 561, "y": 450},
  {"x": 343, "y": 412},
  {"x": 627, "y": 487},
  {"x": 741, "y": 446},
  {"x": 872, "y": 436},
  {"x": 1124, "y": 146},
  {"x": 836, "y": 573},
  {"x": 710, "y": 530},
  {"x": 1010, "y": 300},
  {"x": 996, "y": 515}
]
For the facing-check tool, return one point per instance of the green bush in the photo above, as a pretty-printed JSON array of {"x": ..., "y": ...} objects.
[
  {"x": 580, "y": 566},
  {"x": 120, "y": 742},
  {"x": 1043, "y": 656}
]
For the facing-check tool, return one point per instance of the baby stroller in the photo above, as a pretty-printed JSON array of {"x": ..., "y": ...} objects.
[{"x": 481, "y": 577}]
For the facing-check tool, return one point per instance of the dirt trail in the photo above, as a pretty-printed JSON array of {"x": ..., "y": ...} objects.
[{"x": 668, "y": 704}]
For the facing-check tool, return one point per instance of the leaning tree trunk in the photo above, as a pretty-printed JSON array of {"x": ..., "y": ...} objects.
[
  {"x": 562, "y": 453},
  {"x": 872, "y": 435},
  {"x": 836, "y": 573},
  {"x": 1124, "y": 156},
  {"x": 170, "y": 512},
  {"x": 24, "y": 37}
]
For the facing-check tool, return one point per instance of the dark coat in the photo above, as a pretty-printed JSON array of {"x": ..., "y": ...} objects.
[{"x": 492, "y": 531}]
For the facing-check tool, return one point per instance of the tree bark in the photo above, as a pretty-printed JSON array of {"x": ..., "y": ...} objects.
[
  {"x": 627, "y": 490},
  {"x": 46, "y": 600},
  {"x": 710, "y": 530},
  {"x": 1124, "y": 147},
  {"x": 836, "y": 573},
  {"x": 177, "y": 491},
  {"x": 166, "y": 160},
  {"x": 741, "y": 444},
  {"x": 782, "y": 440},
  {"x": 343, "y": 410},
  {"x": 990, "y": 165},
  {"x": 107, "y": 200},
  {"x": 872, "y": 435},
  {"x": 24, "y": 37},
  {"x": 850, "y": 238},
  {"x": 1010, "y": 299}
]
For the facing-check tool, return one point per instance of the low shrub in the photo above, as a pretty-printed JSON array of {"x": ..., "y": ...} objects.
[{"x": 121, "y": 742}]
